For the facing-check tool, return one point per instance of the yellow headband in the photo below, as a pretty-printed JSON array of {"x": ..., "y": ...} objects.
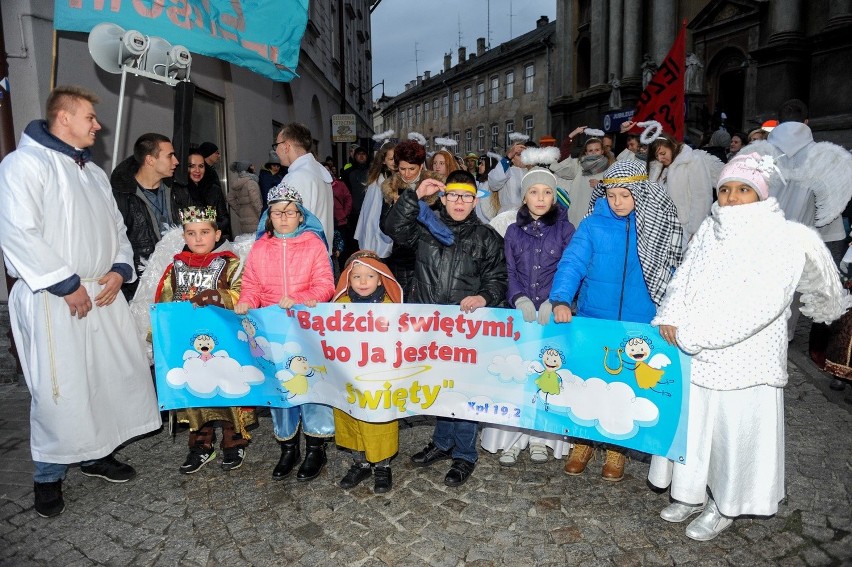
[
  {"x": 618, "y": 180},
  {"x": 461, "y": 187}
]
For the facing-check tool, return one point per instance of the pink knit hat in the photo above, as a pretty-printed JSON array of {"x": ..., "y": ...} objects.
[{"x": 752, "y": 169}]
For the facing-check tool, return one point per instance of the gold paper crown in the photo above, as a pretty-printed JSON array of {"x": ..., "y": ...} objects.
[{"x": 195, "y": 214}]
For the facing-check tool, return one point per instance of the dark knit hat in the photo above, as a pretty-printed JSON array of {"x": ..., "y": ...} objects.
[{"x": 207, "y": 149}]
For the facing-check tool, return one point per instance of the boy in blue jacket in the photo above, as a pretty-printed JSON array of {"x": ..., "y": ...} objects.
[{"x": 620, "y": 260}]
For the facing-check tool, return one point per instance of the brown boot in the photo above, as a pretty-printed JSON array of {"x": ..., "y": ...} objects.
[
  {"x": 613, "y": 469},
  {"x": 579, "y": 458}
]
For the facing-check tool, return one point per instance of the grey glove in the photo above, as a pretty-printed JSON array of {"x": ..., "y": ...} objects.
[
  {"x": 544, "y": 313},
  {"x": 527, "y": 308}
]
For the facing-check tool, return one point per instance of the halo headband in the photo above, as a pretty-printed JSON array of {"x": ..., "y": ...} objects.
[{"x": 619, "y": 180}]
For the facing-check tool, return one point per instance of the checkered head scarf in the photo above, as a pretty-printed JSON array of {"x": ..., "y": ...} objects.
[{"x": 658, "y": 231}]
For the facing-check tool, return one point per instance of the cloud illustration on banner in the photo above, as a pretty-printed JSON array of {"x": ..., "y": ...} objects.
[
  {"x": 511, "y": 368},
  {"x": 273, "y": 352},
  {"x": 219, "y": 375},
  {"x": 612, "y": 408}
]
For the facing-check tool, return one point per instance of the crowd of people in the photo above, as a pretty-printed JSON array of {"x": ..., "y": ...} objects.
[{"x": 713, "y": 254}]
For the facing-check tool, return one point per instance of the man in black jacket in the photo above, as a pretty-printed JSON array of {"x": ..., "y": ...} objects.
[
  {"x": 146, "y": 203},
  {"x": 470, "y": 272}
]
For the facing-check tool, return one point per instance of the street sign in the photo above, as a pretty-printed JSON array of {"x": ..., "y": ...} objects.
[
  {"x": 343, "y": 128},
  {"x": 612, "y": 120}
]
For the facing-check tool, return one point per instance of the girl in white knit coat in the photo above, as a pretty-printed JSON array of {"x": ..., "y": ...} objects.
[{"x": 728, "y": 305}]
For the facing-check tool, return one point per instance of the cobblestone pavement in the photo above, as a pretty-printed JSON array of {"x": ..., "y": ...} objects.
[{"x": 526, "y": 515}]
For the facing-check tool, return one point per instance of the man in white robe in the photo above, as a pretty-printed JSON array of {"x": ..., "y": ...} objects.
[{"x": 63, "y": 238}]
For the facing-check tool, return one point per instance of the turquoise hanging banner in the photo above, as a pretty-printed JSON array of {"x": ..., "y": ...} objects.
[
  {"x": 602, "y": 380},
  {"x": 260, "y": 35}
]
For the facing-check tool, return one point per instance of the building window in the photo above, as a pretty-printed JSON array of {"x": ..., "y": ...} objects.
[
  {"x": 495, "y": 89},
  {"x": 446, "y": 104},
  {"x": 510, "y": 84},
  {"x": 410, "y": 117},
  {"x": 480, "y": 138},
  {"x": 457, "y": 137},
  {"x": 468, "y": 140},
  {"x": 480, "y": 94},
  {"x": 529, "y": 126},
  {"x": 468, "y": 98},
  {"x": 495, "y": 135},
  {"x": 426, "y": 111},
  {"x": 529, "y": 77},
  {"x": 417, "y": 114},
  {"x": 456, "y": 95},
  {"x": 510, "y": 129}
]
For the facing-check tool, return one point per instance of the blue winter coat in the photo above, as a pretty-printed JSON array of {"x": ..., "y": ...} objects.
[
  {"x": 602, "y": 261},
  {"x": 533, "y": 250}
]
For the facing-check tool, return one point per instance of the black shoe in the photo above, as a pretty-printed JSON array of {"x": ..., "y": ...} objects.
[
  {"x": 355, "y": 476},
  {"x": 459, "y": 472},
  {"x": 48, "y": 498},
  {"x": 837, "y": 385},
  {"x": 313, "y": 463},
  {"x": 197, "y": 458},
  {"x": 108, "y": 468},
  {"x": 233, "y": 458},
  {"x": 289, "y": 458},
  {"x": 429, "y": 455},
  {"x": 383, "y": 480}
]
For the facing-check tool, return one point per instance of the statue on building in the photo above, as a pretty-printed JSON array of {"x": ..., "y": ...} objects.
[
  {"x": 648, "y": 70},
  {"x": 615, "y": 92},
  {"x": 694, "y": 74}
]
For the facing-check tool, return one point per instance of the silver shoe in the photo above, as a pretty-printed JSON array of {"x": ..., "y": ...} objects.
[
  {"x": 677, "y": 512},
  {"x": 709, "y": 524},
  {"x": 538, "y": 453}
]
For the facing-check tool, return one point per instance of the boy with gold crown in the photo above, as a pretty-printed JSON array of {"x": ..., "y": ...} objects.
[{"x": 206, "y": 274}]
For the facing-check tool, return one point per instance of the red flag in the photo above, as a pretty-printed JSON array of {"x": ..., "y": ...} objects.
[{"x": 662, "y": 99}]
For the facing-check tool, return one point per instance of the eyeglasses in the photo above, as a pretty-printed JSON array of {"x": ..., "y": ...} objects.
[
  {"x": 276, "y": 144},
  {"x": 465, "y": 197},
  {"x": 288, "y": 214}
]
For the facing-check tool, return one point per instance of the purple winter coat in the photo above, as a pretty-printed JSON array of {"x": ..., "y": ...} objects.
[{"x": 533, "y": 250}]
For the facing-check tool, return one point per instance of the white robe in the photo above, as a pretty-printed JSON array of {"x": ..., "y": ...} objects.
[
  {"x": 508, "y": 184},
  {"x": 313, "y": 182},
  {"x": 368, "y": 232},
  {"x": 89, "y": 378}
]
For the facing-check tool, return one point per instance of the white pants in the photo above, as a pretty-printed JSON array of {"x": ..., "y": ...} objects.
[{"x": 734, "y": 446}]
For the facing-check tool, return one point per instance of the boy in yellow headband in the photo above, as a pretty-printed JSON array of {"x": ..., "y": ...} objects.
[{"x": 470, "y": 272}]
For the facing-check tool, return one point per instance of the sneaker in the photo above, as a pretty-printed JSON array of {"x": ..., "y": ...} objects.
[
  {"x": 109, "y": 468},
  {"x": 382, "y": 480},
  {"x": 509, "y": 457},
  {"x": 429, "y": 455},
  {"x": 233, "y": 458},
  {"x": 48, "y": 498},
  {"x": 355, "y": 476},
  {"x": 538, "y": 453},
  {"x": 197, "y": 458}
]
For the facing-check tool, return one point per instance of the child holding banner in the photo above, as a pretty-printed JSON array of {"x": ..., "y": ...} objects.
[
  {"x": 205, "y": 276},
  {"x": 289, "y": 265},
  {"x": 470, "y": 272},
  {"x": 533, "y": 244},
  {"x": 620, "y": 259},
  {"x": 365, "y": 279},
  {"x": 728, "y": 306}
]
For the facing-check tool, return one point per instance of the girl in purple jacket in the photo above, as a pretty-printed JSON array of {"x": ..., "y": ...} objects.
[{"x": 534, "y": 244}]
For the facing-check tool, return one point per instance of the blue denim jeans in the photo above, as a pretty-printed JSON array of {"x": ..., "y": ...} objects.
[
  {"x": 457, "y": 435},
  {"x": 51, "y": 472}
]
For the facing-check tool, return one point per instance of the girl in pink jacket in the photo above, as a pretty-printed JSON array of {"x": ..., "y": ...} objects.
[{"x": 289, "y": 265}]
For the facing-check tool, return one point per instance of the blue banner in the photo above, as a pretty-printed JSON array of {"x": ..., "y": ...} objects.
[
  {"x": 600, "y": 380},
  {"x": 257, "y": 34}
]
